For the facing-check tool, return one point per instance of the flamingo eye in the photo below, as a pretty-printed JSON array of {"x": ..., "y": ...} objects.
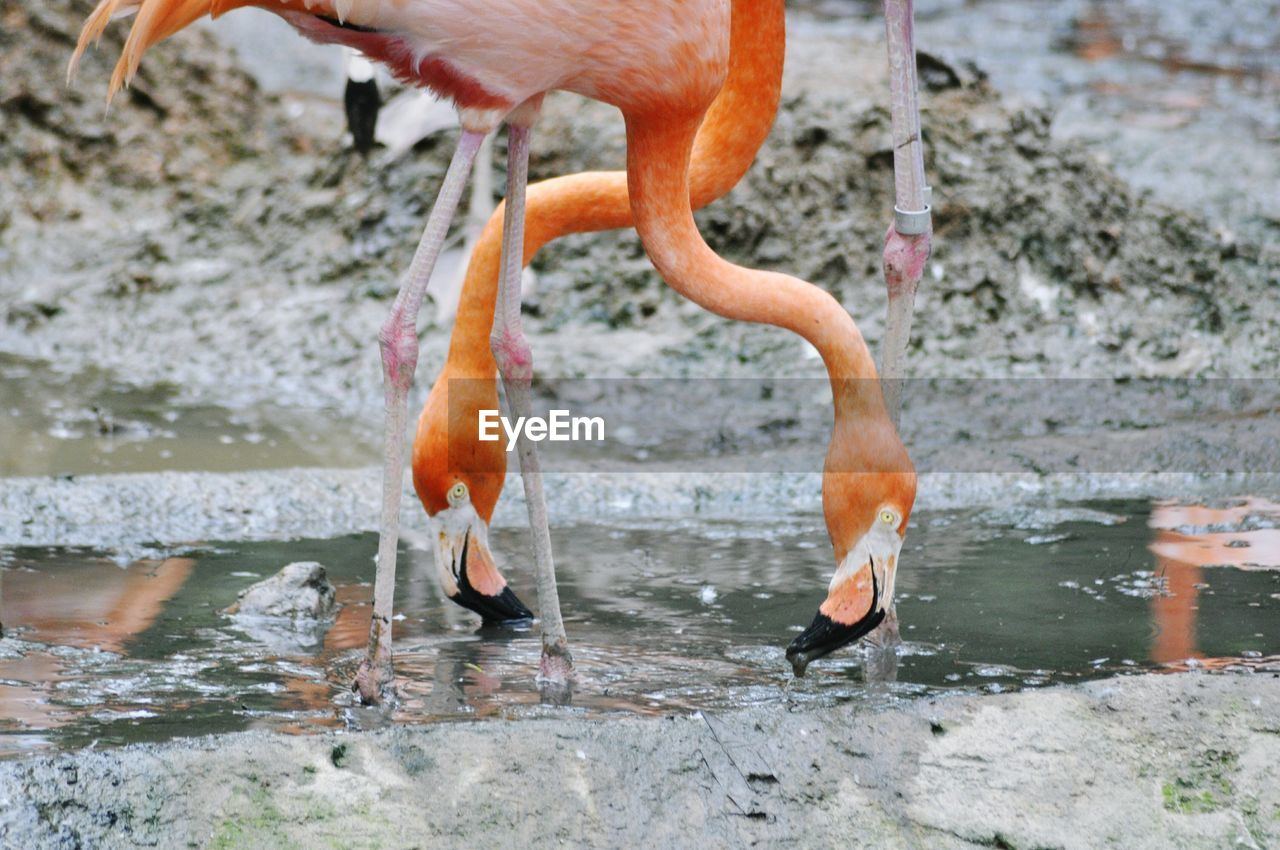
[
  {"x": 457, "y": 493},
  {"x": 887, "y": 517}
]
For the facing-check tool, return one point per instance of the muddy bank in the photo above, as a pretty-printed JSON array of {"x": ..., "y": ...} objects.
[
  {"x": 1138, "y": 762},
  {"x": 220, "y": 240},
  {"x": 1178, "y": 97},
  {"x": 146, "y": 514},
  {"x": 209, "y": 235}
]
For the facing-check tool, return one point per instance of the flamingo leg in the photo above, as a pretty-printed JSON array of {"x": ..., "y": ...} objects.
[
  {"x": 906, "y": 249},
  {"x": 515, "y": 363},
  {"x": 907, "y": 243},
  {"x": 398, "y": 342}
]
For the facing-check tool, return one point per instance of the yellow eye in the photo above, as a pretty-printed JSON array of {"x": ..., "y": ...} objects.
[
  {"x": 457, "y": 492},
  {"x": 887, "y": 517}
]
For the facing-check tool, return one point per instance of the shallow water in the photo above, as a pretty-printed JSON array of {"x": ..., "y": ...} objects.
[
  {"x": 663, "y": 619},
  {"x": 56, "y": 424}
]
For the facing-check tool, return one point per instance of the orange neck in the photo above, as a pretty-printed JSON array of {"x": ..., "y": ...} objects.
[
  {"x": 657, "y": 147},
  {"x": 866, "y": 464},
  {"x": 735, "y": 127}
]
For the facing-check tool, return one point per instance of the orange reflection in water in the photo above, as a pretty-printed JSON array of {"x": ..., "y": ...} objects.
[
  {"x": 1256, "y": 549},
  {"x": 96, "y": 606},
  {"x": 350, "y": 630},
  {"x": 1181, "y": 557},
  {"x": 25, "y": 706}
]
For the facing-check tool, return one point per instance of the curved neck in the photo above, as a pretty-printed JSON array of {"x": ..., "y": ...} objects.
[
  {"x": 658, "y": 150},
  {"x": 736, "y": 125}
]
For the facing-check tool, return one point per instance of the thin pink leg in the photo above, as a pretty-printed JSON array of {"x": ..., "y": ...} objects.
[
  {"x": 907, "y": 243},
  {"x": 515, "y": 363},
  {"x": 906, "y": 250},
  {"x": 398, "y": 341}
]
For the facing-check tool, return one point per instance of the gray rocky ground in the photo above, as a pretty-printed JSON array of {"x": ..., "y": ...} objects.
[
  {"x": 1138, "y": 762},
  {"x": 134, "y": 514},
  {"x": 204, "y": 234},
  {"x": 226, "y": 242}
]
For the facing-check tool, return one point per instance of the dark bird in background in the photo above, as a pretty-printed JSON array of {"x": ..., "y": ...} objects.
[{"x": 362, "y": 101}]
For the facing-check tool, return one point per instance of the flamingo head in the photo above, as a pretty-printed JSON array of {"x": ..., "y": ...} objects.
[
  {"x": 465, "y": 565},
  {"x": 866, "y": 516},
  {"x": 458, "y": 478}
]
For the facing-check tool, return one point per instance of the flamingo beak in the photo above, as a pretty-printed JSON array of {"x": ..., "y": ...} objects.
[
  {"x": 469, "y": 575},
  {"x": 855, "y": 605}
]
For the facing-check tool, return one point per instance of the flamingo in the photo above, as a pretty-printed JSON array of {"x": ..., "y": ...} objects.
[
  {"x": 661, "y": 64},
  {"x": 457, "y": 476}
]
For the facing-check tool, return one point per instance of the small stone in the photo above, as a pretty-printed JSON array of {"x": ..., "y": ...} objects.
[{"x": 300, "y": 591}]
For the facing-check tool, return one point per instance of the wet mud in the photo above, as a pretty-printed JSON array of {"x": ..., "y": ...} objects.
[
  {"x": 131, "y": 257},
  {"x": 1135, "y": 762},
  {"x": 208, "y": 249}
]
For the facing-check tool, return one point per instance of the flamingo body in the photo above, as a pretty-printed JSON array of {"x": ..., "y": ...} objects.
[{"x": 493, "y": 57}]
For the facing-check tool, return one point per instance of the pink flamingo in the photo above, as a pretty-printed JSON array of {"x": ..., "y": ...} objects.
[{"x": 661, "y": 63}]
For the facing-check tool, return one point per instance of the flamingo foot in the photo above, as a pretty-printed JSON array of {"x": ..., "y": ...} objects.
[
  {"x": 375, "y": 681},
  {"x": 555, "y": 673}
]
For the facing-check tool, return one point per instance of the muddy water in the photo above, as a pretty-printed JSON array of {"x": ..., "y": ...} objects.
[
  {"x": 54, "y": 424},
  {"x": 664, "y": 620}
]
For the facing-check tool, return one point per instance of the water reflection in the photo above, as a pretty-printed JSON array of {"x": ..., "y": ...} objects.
[
  {"x": 111, "y": 654},
  {"x": 92, "y": 605},
  {"x": 1190, "y": 541}
]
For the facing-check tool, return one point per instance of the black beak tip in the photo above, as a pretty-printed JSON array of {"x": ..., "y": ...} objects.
[
  {"x": 504, "y": 610},
  {"x": 510, "y": 610},
  {"x": 799, "y": 661},
  {"x": 825, "y": 636},
  {"x": 800, "y": 658}
]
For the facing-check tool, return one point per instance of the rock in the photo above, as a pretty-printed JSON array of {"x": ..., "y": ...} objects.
[{"x": 300, "y": 592}]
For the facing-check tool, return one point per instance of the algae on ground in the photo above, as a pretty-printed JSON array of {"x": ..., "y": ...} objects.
[
  {"x": 1205, "y": 785},
  {"x": 262, "y": 825}
]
